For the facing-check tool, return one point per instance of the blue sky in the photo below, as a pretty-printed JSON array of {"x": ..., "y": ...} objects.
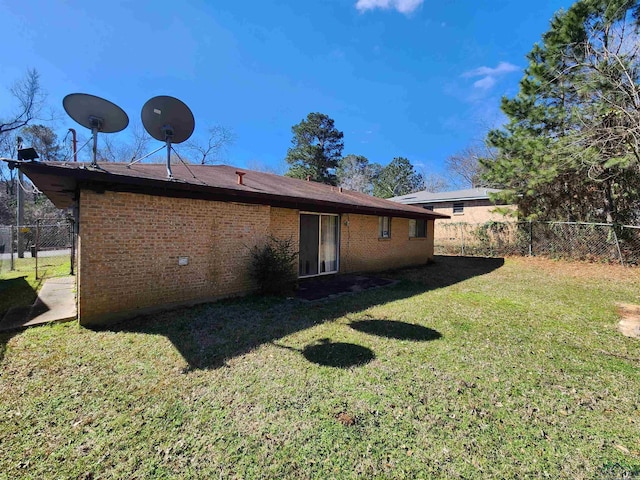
[{"x": 415, "y": 78}]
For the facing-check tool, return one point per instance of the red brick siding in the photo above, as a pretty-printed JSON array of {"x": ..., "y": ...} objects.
[
  {"x": 361, "y": 250},
  {"x": 285, "y": 223},
  {"x": 130, "y": 246}
]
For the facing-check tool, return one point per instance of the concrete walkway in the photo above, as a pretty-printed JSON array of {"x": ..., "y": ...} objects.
[{"x": 56, "y": 302}]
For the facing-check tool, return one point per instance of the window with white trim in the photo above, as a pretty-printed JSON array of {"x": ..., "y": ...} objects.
[{"x": 458, "y": 208}]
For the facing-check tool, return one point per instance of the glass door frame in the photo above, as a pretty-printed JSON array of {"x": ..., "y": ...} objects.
[{"x": 320, "y": 215}]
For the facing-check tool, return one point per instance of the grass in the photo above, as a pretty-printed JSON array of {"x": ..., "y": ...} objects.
[
  {"x": 464, "y": 369},
  {"x": 19, "y": 287}
]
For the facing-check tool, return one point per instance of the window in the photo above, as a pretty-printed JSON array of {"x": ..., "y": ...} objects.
[
  {"x": 458, "y": 207},
  {"x": 429, "y": 207},
  {"x": 384, "y": 230},
  {"x": 417, "y": 228}
]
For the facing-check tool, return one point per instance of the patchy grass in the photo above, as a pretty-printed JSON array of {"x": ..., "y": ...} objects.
[
  {"x": 464, "y": 369},
  {"x": 19, "y": 287}
]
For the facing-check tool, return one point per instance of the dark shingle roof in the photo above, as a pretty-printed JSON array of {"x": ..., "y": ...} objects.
[{"x": 61, "y": 181}]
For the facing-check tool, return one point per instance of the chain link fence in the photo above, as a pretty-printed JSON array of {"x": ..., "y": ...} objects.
[
  {"x": 596, "y": 242},
  {"x": 39, "y": 244}
]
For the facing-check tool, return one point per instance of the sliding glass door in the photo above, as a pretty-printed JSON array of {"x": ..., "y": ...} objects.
[{"x": 319, "y": 236}]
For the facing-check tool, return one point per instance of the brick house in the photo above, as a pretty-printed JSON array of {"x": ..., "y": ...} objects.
[
  {"x": 147, "y": 242},
  {"x": 473, "y": 206}
]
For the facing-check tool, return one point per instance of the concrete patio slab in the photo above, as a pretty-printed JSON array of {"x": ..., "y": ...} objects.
[{"x": 319, "y": 288}]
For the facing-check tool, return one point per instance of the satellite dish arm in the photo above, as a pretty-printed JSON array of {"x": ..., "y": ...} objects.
[{"x": 146, "y": 156}]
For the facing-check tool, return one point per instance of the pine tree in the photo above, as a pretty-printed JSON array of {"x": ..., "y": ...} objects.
[
  {"x": 570, "y": 148},
  {"x": 317, "y": 149},
  {"x": 397, "y": 178}
]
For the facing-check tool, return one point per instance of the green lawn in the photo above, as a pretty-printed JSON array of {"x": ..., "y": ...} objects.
[
  {"x": 19, "y": 287},
  {"x": 466, "y": 368}
]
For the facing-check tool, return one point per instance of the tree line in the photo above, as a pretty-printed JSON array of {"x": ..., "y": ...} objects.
[
  {"x": 316, "y": 154},
  {"x": 569, "y": 150},
  {"x": 571, "y": 147}
]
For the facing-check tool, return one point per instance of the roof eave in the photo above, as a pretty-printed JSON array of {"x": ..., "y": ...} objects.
[{"x": 45, "y": 177}]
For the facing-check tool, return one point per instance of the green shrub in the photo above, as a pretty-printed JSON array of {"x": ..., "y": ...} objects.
[{"x": 273, "y": 266}]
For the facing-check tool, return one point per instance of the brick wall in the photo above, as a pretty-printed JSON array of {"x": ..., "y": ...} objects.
[
  {"x": 285, "y": 223},
  {"x": 362, "y": 250},
  {"x": 131, "y": 244}
]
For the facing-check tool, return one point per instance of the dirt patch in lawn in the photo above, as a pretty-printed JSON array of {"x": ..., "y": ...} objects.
[{"x": 629, "y": 319}]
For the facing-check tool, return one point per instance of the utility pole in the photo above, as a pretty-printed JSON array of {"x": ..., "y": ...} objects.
[{"x": 20, "y": 206}]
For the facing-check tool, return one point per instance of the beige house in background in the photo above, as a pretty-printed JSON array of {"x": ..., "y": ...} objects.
[{"x": 472, "y": 206}]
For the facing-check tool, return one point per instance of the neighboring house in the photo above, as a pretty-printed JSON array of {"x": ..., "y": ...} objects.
[
  {"x": 471, "y": 206},
  {"x": 146, "y": 241}
]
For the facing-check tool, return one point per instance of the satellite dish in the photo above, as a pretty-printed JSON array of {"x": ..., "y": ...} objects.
[
  {"x": 169, "y": 120},
  {"x": 96, "y": 114},
  {"x": 167, "y": 116}
]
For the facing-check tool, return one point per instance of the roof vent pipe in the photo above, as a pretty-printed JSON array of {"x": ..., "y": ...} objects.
[{"x": 240, "y": 175}]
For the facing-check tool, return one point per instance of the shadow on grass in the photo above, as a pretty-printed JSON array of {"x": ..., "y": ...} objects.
[
  {"x": 208, "y": 335},
  {"x": 396, "y": 330},
  {"x": 333, "y": 354},
  {"x": 337, "y": 354},
  {"x": 16, "y": 292},
  {"x": 16, "y": 298}
]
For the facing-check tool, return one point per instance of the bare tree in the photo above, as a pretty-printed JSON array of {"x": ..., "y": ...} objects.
[
  {"x": 435, "y": 183},
  {"x": 355, "y": 173},
  {"x": 8, "y": 148},
  {"x": 114, "y": 149},
  {"x": 603, "y": 139},
  {"x": 465, "y": 168},
  {"x": 44, "y": 140},
  {"x": 211, "y": 150},
  {"x": 29, "y": 97}
]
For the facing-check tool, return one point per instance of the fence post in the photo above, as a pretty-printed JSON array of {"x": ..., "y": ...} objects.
[
  {"x": 462, "y": 238},
  {"x": 615, "y": 235},
  {"x": 530, "y": 238},
  {"x": 35, "y": 251},
  {"x": 13, "y": 266}
]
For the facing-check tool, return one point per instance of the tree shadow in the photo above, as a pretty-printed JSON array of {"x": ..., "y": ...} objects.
[
  {"x": 337, "y": 354},
  {"x": 209, "y": 335},
  {"x": 17, "y": 296},
  {"x": 333, "y": 354},
  {"x": 4, "y": 340},
  {"x": 396, "y": 330},
  {"x": 15, "y": 292}
]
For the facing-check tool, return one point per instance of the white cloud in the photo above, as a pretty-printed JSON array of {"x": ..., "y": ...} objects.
[
  {"x": 489, "y": 75},
  {"x": 402, "y": 6},
  {"x": 485, "y": 83},
  {"x": 501, "y": 69}
]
